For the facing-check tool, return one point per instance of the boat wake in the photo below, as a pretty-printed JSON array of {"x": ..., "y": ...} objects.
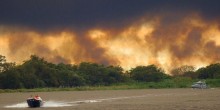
[
  {"x": 73, "y": 103},
  {"x": 46, "y": 104},
  {"x": 52, "y": 104},
  {"x": 18, "y": 105}
]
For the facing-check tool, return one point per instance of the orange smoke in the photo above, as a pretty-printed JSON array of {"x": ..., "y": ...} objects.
[{"x": 168, "y": 44}]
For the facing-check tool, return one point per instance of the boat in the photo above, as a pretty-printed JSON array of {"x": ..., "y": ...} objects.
[
  {"x": 35, "y": 102},
  {"x": 200, "y": 85}
]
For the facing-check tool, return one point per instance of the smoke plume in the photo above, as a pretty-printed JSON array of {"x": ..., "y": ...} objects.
[{"x": 190, "y": 40}]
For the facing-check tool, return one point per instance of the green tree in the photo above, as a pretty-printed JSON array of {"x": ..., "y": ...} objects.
[
  {"x": 4, "y": 65},
  {"x": 92, "y": 73},
  {"x": 147, "y": 73},
  {"x": 10, "y": 79},
  {"x": 46, "y": 73},
  {"x": 114, "y": 74},
  {"x": 184, "y": 71},
  {"x": 212, "y": 71}
]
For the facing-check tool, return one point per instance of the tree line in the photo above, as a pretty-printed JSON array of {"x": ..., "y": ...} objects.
[{"x": 38, "y": 73}]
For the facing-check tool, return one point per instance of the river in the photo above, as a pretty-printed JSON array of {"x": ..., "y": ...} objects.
[{"x": 151, "y": 99}]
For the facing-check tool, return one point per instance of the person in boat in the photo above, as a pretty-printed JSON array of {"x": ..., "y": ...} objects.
[{"x": 37, "y": 97}]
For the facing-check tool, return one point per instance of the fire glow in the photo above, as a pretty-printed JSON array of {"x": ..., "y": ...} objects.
[{"x": 189, "y": 41}]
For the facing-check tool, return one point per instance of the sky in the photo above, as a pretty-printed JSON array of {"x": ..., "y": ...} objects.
[{"x": 129, "y": 33}]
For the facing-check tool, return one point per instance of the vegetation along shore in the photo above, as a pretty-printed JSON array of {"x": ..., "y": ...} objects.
[{"x": 36, "y": 74}]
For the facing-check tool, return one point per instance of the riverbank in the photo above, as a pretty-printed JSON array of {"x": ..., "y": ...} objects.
[{"x": 177, "y": 83}]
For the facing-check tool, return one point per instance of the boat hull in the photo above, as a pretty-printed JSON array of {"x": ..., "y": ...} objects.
[{"x": 34, "y": 103}]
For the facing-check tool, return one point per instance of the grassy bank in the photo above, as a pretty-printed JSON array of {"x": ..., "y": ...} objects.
[{"x": 169, "y": 83}]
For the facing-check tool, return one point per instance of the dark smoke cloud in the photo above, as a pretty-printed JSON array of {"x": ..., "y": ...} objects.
[
  {"x": 190, "y": 46},
  {"x": 84, "y": 14},
  {"x": 212, "y": 51},
  {"x": 183, "y": 39},
  {"x": 173, "y": 32},
  {"x": 93, "y": 51}
]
